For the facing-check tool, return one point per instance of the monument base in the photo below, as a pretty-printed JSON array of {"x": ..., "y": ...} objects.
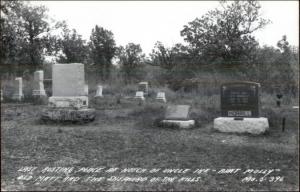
[
  {"x": 76, "y": 102},
  {"x": 254, "y": 126},
  {"x": 185, "y": 124},
  {"x": 67, "y": 114}
]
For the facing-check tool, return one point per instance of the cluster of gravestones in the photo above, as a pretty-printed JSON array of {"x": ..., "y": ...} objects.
[
  {"x": 143, "y": 90},
  {"x": 38, "y": 90},
  {"x": 69, "y": 101}
]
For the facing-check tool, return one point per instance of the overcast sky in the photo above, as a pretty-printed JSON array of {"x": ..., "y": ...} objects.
[{"x": 145, "y": 22}]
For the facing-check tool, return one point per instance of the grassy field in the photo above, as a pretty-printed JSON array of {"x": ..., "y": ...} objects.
[{"x": 124, "y": 135}]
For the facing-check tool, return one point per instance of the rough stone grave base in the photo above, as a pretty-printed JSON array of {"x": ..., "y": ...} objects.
[
  {"x": 66, "y": 114},
  {"x": 178, "y": 123},
  {"x": 254, "y": 126},
  {"x": 76, "y": 102}
]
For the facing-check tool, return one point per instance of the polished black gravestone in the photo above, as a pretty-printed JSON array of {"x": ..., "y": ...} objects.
[
  {"x": 240, "y": 99},
  {"x": 240, "y": 109}
]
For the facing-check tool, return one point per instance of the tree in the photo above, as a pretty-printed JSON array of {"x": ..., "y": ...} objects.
[
  {"x": 225, "y": 33},
  {"x": 73, "y": 47},
  {"x": 34, "y": 22},
  {"x": 10, "y": 35},
  {"x": 103, "y": 48},
  {"x": 21, "y": 26},
  {"x": 130, "y": 59},
  {"x": 169, "y": 57},
  {"x": 287, "y": 66}
]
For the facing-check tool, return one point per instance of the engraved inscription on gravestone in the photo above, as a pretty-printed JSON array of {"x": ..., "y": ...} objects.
[{"x": 240, "y": 99}]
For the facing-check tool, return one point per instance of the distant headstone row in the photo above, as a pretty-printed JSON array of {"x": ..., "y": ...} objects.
[
  {"x": 143, "y": 90},
  {"x": 69, "y": 101}
]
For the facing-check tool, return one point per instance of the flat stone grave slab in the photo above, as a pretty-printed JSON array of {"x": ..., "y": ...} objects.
[{"x": 177, "y": 112}]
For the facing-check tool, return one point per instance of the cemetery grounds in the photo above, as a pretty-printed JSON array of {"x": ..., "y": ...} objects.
[{"x": 126, "y": 135}]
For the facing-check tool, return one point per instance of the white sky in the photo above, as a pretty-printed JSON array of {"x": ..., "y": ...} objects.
[{"x": 145, "y": 22}]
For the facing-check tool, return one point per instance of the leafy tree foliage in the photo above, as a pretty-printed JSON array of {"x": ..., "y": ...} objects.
[
  {"x": 103, "y": 47},
  {"x": 176, "y": 62},
  {"x": 130, "y": 60},
  {"x": 21, "y": 27},
  {"x": 163, "y": 56},
  {"x": 10, "y": 35},
  {"x": 226, "y": 33},
  {"x": 34, "y": 23},
  {"x": 73, "y": 47},
  {"x": 288, "y": 66}
]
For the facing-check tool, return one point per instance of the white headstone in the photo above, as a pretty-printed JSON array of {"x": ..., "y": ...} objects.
[
  {"x": 68, "y": 86},
  {"x": 139, "y": 95},
  {"x": 99, "y": 91},
  {"x": 18, "y": 94},
  {"x": 68, "y": 79},
  {"x": 161, "y": 96},
  {"x": 38, "y": 84},
  {"x": 86, "y": 89},
  {"x": 1, "y": 95}
]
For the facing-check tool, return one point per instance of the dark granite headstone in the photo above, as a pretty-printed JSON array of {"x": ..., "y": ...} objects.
[{"x": 240, "y": 99}]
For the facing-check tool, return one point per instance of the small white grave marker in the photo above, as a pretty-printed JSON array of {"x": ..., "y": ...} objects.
[
  {"x": 161, "y": 96},
  {"x": 18, "y": 95},
  {"x": 139, "y": 95},
  {"x": 178, "y": 115},
  {"x": 1, "y": 95},
  {"x": 39, "y": 84},
  {"x": 86, "y": 90},
  {"x": 99, "y": 91}
]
